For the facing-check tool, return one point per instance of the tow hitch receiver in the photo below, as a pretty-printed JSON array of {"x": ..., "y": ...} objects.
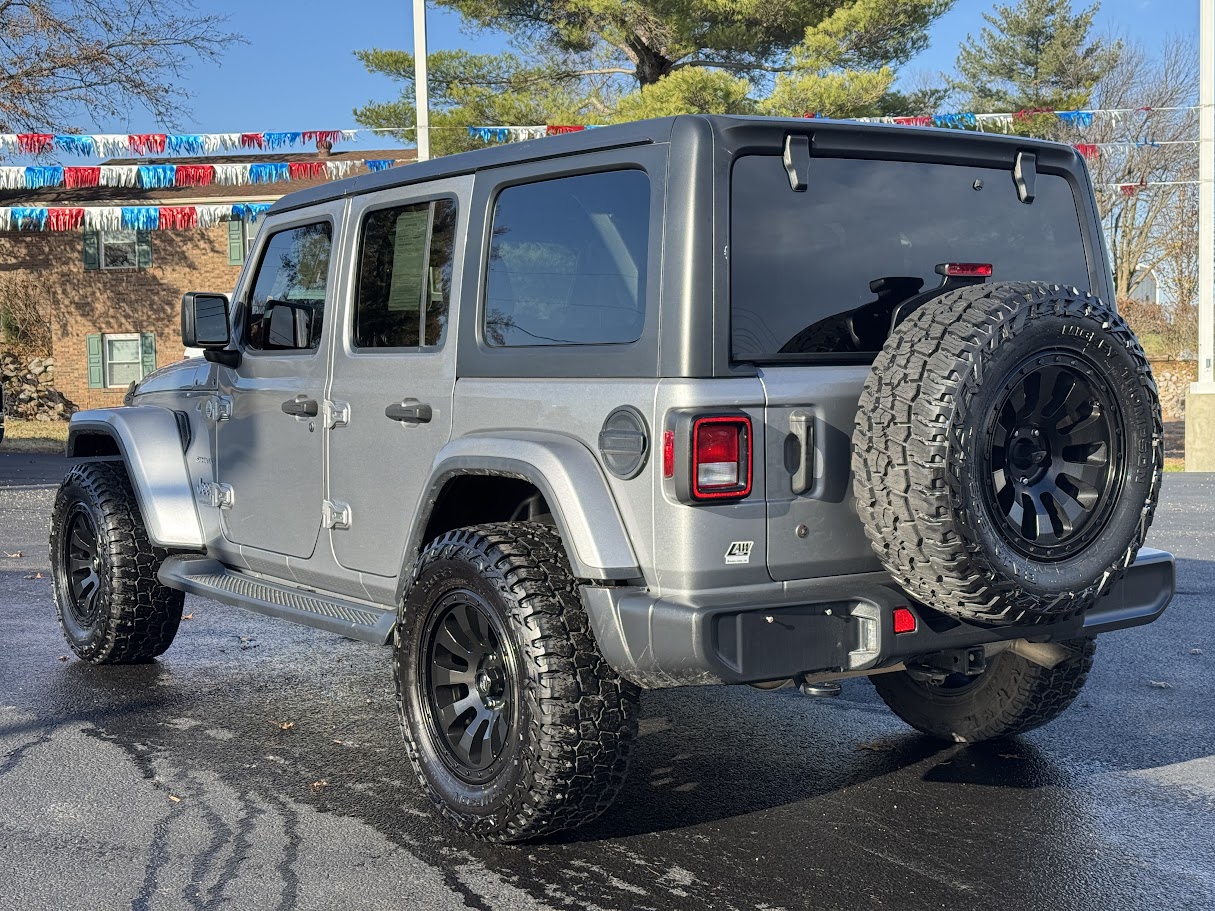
[
  {"x": 936, "y": 667},
  {"x": 821, "y": 689}
]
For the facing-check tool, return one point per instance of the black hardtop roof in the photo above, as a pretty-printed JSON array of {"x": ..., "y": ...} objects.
[
  {"x": 625, "y": 134},
  {"x": 655, "y": 131}
]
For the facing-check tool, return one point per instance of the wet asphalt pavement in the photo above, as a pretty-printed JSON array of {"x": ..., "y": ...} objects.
[{"x": 258, "y": 765}]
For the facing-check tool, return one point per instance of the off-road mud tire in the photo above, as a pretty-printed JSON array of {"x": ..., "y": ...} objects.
[
  {"x": 135, "y": 617},
  {"x": 1012, "y": 696},
  {"x": 917, "y": 466},
  {"x": 568, "y": 750}
]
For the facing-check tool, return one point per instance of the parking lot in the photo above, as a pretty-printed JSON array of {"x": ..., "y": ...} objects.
[{"x": 258, "y": 764}]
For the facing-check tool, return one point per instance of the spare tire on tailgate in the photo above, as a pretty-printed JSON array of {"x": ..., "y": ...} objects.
[{"x": 1008, "y": 452}]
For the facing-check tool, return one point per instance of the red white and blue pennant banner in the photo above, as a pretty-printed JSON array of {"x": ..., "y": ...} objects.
[
  {"x": 124, "y": 145},
  {"x": 521, "y": 134},
  {"x": 1002, "y": 122},
  {"x": 116, "y": 218},
  {"x": 160, "y": 176}
]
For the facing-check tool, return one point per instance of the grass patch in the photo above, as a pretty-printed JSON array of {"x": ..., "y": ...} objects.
[
  {"x": 34, "y": 436},
  {"x": 1174, "y": 464}
]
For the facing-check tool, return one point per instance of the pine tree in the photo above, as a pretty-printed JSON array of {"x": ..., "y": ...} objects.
[
  {"x": 591, "y": 61},
  {"x": 1034, "y": 54}
]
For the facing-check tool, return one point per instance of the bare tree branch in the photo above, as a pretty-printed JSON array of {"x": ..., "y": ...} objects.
[
  {"x": 62, "y": 58},
  {"x": 1140, "y": 225}
]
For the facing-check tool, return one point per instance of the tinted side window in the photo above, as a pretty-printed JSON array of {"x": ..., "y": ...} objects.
[
  {"x": 830, "y": 270},
  {"x": 567, "y": 263},
  {"x": 405, "y": 276},
  {"x": 287, "y": 307}
]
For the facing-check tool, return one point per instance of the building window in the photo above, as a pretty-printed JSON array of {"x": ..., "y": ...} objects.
[
  {"x": 122, "y": 360},
  {"x": 241, "y": 235},
  {"x": 116, "y": 360},
  {"x": 117, "y": 250}
]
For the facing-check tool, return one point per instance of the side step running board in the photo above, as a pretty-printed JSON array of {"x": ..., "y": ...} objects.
[{"x": 211, "y": 579}]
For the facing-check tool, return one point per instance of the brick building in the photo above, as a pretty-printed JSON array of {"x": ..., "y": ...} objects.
[{"x": 114, "y": 297}]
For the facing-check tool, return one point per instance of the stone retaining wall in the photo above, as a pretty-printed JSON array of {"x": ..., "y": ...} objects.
[
  {"x": 29, "y": 389},
  {"x": 1173, "y": 379}
]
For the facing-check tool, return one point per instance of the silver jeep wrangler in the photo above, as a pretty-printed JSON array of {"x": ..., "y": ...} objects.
[{"x": 700, "y": 400}]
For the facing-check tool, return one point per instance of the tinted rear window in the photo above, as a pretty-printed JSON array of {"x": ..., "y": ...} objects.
[
  {"x": 567, "y": 264},
  {"x": 824, "y": 272}
]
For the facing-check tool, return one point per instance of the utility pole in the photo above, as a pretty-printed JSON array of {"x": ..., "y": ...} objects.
[
  {"x": 421, "y": 96},
  {"x": 1200, "y": 403}
]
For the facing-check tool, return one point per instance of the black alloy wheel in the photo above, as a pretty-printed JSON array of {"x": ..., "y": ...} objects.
[
  {"x": 1055, "y": 454},
  {"x": 82, "y": 559},
  {"x": 470, "y": 685},
  {"x": 1008, "y": 452},
  {"x": 111, "y": 605},
  {"x": 513, "y": 721}
]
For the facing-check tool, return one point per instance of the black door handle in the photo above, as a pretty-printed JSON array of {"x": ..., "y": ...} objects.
[
  {"x": 410, "y": 411},
  {"x": 301, "y": 408}
]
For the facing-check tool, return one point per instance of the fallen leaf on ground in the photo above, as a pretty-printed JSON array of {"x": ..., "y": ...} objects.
[
  {"x": 13, "y": 556},
  {"x": 34, "y": 576},
  {"x": 318, "y": 785},
  {"x": 174, "y": 798},
  {"x": 63, "y": 657},
  {"x": 1160, "y": 684},
  {"x": 283, "y": 725},
  {"x": 187, "y": 616}
]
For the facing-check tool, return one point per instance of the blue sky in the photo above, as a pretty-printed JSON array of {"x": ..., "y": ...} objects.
[{"x": 298, "y": 71}]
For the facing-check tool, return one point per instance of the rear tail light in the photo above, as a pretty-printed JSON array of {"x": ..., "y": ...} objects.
[
  {"x": 721, "y": 457},
  {"x": 668, "y": 454},
  {"x": 965, "y": 270}
]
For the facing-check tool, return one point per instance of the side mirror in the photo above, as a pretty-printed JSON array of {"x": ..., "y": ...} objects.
[{"x": 204, "y": 321}]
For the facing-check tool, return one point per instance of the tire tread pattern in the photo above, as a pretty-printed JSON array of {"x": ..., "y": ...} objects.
[
  {"x": 908, "y": 445},
  {"x": 583, "y": 714},
  {"x": 141, "y": 615},
  {"x": 1023, "y": 696}
]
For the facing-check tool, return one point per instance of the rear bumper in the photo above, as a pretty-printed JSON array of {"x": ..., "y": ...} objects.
[{"x": 837, "y": 625}]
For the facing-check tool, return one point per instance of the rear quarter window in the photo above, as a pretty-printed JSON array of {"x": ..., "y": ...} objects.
[
  {"x": 567, "y": 262},
  {"x": 822, "y": 272}
]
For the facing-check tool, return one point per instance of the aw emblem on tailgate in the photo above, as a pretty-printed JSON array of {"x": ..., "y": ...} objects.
[{"x": 739, "y": 552}]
